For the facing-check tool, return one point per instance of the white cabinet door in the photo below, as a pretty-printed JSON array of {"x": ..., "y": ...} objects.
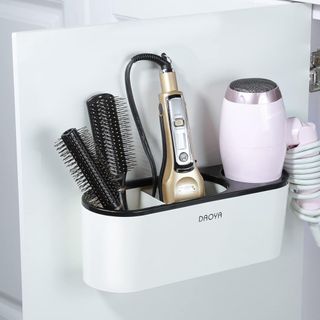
[
  {"x": 56, "y": 71},
  {"x": 144, "y": 9},
  {"x": 14, "y": 16}
]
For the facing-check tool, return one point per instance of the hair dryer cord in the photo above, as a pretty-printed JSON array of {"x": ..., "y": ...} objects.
[{"x": 303, "y": 165}]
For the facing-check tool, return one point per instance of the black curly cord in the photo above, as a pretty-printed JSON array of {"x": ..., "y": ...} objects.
[{"x": 165, "y": 66}]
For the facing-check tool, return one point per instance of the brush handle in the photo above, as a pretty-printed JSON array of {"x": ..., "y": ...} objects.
[{"x": 123, "y": 192}]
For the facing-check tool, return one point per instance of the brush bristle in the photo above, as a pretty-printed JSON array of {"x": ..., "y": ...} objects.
[
  {"x": 94, "y": 152},
  {"x": 77, "y": 151},
  {"x": 72, "y": 165},
  {"x": 111, "y": 129}
]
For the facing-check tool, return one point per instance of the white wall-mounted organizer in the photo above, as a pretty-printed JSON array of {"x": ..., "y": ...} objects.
[
  {"x": 71, "y": 65},
  {"x": 153, "y": 244}
]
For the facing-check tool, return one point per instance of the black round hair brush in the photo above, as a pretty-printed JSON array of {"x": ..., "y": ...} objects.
[
  {"x": 76, "y": 149},
  {"x": 110, "y": 125}
]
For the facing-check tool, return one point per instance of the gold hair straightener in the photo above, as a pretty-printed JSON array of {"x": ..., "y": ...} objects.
[{"x": 179, "y": 178}]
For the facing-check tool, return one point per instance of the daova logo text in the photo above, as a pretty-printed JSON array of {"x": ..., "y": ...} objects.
[{"x": 210, "y": 217}]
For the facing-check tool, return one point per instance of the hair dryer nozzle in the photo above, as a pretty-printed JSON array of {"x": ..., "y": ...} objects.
[{"x": 253, "y": 91}]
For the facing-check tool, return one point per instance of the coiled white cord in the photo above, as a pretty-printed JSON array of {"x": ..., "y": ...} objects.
[{"x": 303, "y": 165}]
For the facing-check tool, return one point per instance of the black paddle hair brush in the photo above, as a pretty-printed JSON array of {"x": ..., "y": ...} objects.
[
  {"x": 77, "y": 150},
  {"x": 110, "y": 125}
]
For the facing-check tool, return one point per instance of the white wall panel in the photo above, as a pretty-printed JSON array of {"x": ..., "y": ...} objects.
[
  {"x": 14, "y": 16},
  {"x": 9, "y": 216}
]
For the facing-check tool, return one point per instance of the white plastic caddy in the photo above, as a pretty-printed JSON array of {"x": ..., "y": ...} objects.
[{"x": 155, "y": 244}]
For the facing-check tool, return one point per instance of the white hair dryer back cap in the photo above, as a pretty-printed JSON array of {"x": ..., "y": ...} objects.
[
  {"x": 253, "y": 131},
  {"x": 300, "y": 133}
]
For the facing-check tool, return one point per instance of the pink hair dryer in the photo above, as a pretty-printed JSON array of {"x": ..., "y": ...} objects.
[
  {"x": 254, "y": 136},
  {"x": 253, "y": 131}
]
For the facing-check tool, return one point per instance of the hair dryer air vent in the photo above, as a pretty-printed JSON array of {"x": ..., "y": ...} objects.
[{"x": 253, "y": 91}]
